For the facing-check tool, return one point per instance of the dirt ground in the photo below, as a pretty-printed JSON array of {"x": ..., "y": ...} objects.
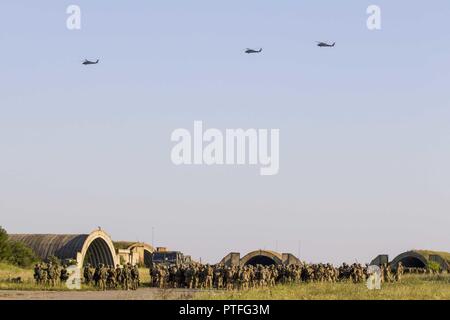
[{"x": 140, "y": 294}]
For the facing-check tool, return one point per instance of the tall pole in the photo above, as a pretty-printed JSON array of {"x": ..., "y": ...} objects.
[{"x": 153, "y": 237}]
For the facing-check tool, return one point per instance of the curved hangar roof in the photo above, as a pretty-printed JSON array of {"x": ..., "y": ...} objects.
[
  {"x": 420, "y": 258},
  {"x": 93, "y": 248},
  {"x": 416, "y": 259},
  {"x": 263, "y": 257}
]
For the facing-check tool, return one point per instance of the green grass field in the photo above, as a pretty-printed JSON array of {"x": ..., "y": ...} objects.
[{"x": 412, "y": 287}]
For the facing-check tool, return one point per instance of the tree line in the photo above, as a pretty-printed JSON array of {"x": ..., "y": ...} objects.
[{"x": 15, "y": 253}]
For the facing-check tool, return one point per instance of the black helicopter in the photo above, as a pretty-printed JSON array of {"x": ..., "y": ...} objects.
[
  {"x": 324, "y": 44},
  {"x": 87, "y": 62},
  {"x": 253, "y": 51}
]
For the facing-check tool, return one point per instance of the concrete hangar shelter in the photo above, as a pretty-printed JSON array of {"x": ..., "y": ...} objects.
[
  {"x": 94, "y": 248},
  {"x": 416, "y": 259},
  {"x": 262, "y": 257}
]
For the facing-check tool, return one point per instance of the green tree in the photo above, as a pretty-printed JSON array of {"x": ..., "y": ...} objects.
[
  {"x": 434, "y": 266},
  {"x": 5, "y": 248},
  {"x": 16, "y": 253},
  {"x": 21, "y": 255}
]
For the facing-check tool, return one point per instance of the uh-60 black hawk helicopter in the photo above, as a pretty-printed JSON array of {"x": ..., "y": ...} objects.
[
  {"x": 326, "y": 45},
  {"x": 253, "y": 51},
  {"x": 88, "y": 62}
]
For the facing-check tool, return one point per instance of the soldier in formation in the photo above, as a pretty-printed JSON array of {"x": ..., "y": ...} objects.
[
  {"x": 399, "y": 272},
  {"x": 50, "y": 274},
  {"x": 198, "y": 276},
  {"x": 64, "y": 274},
  {"x": 104, "y": 277},
  {"x": 87, "y": 274}
]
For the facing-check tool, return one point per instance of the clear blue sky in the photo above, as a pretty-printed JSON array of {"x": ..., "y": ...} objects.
[{"x": 365, "y": 135}]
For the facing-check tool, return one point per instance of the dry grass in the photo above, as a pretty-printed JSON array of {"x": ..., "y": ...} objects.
[
  {"x": 413, "y": 287},
  {"x": 8, "y": 271},
  {"x": 144, "y": 276}
]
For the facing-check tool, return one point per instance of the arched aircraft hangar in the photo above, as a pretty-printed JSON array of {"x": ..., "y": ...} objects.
[
  {"x": 262, "y": 257},
  {"x": 93, "y": 248},
  {"x": 416, "y": 259}
]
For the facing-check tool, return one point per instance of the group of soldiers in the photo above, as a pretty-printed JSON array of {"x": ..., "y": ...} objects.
[
  {"x": 388, "y": 275},
  {"x": 198, "y": 276},
  {"x": 415, "y": 270},
  {"x": 50, "y": 274},
  {"x": 103, "y": 277}
]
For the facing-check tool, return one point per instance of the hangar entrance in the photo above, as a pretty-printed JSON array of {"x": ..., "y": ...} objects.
[
  {"x": 411, "y": 262},
  {"x": 98, "y": 252},
  {"x": 147, "y": 258},
  {"x": 262, "y": 260}
]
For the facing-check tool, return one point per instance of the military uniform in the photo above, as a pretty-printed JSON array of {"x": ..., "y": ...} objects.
[
  {"x": 87, "y": 274},
  {"x": 64, "y": 275}
]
